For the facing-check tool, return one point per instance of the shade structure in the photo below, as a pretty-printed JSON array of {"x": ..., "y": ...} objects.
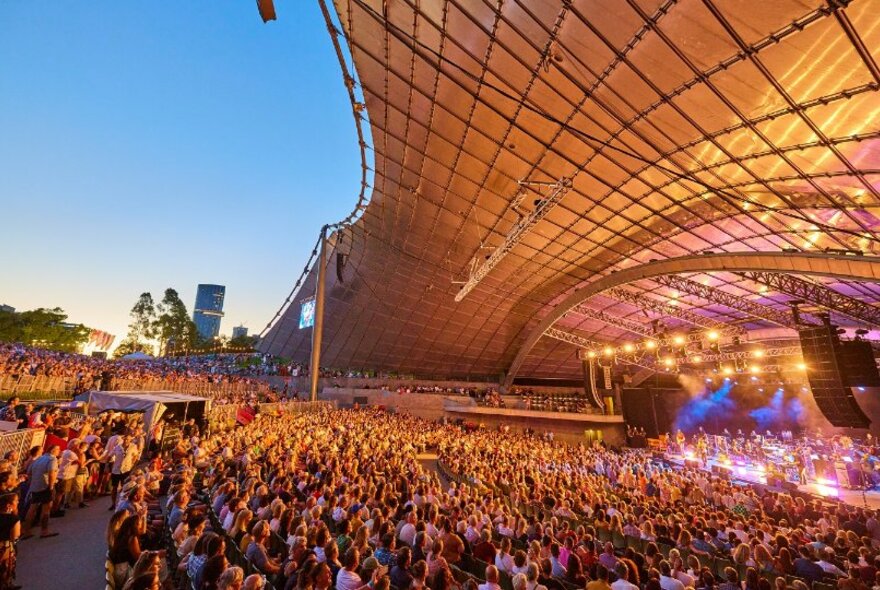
[{"x": 688, "y": 126}]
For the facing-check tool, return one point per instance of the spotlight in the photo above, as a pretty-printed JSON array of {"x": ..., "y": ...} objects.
[
  {"x": 678, "y": 339},
  {"x": 591, "y": 354},
  {"x": 668, "y": 361},
  {"x": 757, "y": 353},
  {"x": 755, "y": 369},
  {"x": 697, "y": 359},
  {"x": 650, "y": 344},
  {"x": 727, "y": 371},
  {"x": 713, "y": 335},
  {"x": 628, "y": 347},
  {"x": 802, "y": 366},
  {"x": 608, "y": 351}
]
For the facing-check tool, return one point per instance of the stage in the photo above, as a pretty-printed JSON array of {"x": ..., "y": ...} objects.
[{"x": 746, "y": 473}]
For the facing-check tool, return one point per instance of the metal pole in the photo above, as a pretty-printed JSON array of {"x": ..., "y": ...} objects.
[{"x": 318, "y": 328}]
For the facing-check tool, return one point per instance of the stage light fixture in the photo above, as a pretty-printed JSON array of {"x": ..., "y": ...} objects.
[
  {"x": 668, "y": 361},
  {"x": 712, "y": 335},
  {"x": 628, "y": 347},
  {"x": 755, "y": 369},
  {"x": 608, "y": 351},
  {"x": 727, "y": 371},
  {"x": 757, "y": 353},
  {"x": 678, "y": 339},
  {"x": 650, "y": 344},
  {"x": 697, "y": 359},
  {"x": 591, "y": 354},
  {"x": 802, "y": 366}
]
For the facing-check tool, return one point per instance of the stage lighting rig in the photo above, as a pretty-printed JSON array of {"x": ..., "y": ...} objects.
[{"x": 525, "y": 223}]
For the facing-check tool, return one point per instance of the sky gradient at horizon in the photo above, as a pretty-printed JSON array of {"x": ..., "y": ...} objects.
[{"x": 167, "y": 144}]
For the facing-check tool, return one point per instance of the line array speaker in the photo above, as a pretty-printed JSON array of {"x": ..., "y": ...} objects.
[{"x": 822, "y": 353}]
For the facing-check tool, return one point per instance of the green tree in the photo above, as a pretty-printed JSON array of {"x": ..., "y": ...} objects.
[
  {"x": 175, "y": 329},
  {"x": 44, "y": 328},
  {"x": 142, "y": 329}
]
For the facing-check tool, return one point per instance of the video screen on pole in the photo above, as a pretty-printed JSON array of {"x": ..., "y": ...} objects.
[{"x": 307, "y": 314}]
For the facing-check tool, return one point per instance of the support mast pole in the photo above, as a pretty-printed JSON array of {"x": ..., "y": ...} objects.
[{"x": 318, "y": 328}]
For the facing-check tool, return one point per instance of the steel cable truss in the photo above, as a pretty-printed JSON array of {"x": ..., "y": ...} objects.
[
  {"x": 612, "y": 320},
  {"x": 817, "y": 294},
  {"x": 522, "y": 227},
  {"x": 664, "y": 309},
  {"x": 715, "y": 295},
  {"x": 587, "y": 344}
]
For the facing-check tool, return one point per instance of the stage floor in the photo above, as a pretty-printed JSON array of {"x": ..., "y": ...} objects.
[{"x": 748, "y": 474}]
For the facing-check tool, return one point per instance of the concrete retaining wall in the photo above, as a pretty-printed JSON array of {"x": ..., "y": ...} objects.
[{"x": 431, "y": 407}]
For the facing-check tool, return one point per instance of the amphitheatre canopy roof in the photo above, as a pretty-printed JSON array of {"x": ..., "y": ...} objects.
[{"x": 684, "y": 126}]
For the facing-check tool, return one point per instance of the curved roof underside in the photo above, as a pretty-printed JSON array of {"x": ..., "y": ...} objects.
[{"x": 686, "y": 126}]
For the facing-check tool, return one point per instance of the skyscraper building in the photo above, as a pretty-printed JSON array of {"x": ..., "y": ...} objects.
[
  {"x": 208, "y": 310},
  {"x": 239, "y": 331}
]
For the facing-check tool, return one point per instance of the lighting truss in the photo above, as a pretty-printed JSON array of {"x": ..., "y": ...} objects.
[
  {"x": 585, "y": 344},
  {"x": 714, "y": 295},
  {"x": 522, "y": 227},
  {"x": 649, "y": 304},
  {"x": 747, "y": 355},
  {"x": 818, "y": 295},
  {"x": 571, "y": 338},
  {"x": 612, "y": 320}
]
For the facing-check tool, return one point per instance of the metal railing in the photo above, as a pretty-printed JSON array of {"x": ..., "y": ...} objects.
[
  {"x": 21, "y": 441},
  {"x": 46, "y": 387}
]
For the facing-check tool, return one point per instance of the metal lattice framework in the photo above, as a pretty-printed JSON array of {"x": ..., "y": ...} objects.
[
  {"x": 745, "y": 355},
  {"x": 522, "y": 227},
  {"x": 613, "y": 320},
  {"x": 585, "y": 344},
  {"x": 756, "y": 310},
  {"x": 684, "y": 127},
  {"x": 818, "y": 295},
  {"x": 665, "y": 309}
]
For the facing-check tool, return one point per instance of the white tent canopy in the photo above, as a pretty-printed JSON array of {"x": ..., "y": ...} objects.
[{"x": 152, "y": 403}]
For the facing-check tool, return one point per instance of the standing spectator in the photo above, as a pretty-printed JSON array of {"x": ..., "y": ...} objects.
[
  {"x": 10, "y": 529},
  {"x": 123, "y": 457},
  {"x": 43, "y": 475}
]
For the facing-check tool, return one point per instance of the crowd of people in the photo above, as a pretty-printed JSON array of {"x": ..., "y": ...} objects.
[
  {"x": 18, "y": 360},
  {"x": 344, "y": 499}
]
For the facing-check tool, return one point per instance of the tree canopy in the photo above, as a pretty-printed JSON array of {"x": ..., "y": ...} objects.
[{"x": 44, "y": 328}]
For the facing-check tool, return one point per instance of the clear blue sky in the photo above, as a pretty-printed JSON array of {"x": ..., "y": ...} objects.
[{"x": 165, "y": 143}]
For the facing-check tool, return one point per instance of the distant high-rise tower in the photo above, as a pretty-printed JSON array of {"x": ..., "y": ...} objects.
[
  {"x": 209, "y": 310},
  {"x": 239, "y": 332}
]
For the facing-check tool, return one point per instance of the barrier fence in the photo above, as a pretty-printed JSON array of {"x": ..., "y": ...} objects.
[
  {"x": 21, "y": 441},
  {"x": 46, "y": 387}
]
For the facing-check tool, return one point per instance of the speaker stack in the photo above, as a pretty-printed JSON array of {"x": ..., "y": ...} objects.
[{"x": 829, "y": 367}]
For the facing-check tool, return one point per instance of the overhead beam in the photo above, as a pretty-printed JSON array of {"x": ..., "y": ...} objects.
[
  {"x": 649, "y": 304},
  {"x": 837, "y": 266},
  {"x": 816, "y": 294},
  {"x": 714, "y": 295},
  {"x": 584, "y": 343},
  {"x": 742, "y": 355},
  {"x": 522, "y": 227},
  {"x": 612, "y": 320}
]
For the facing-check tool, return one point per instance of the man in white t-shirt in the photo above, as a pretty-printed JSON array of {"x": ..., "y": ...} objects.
[
  {"x": 408, "y": 530},
  {"x": 347, "y": 578}
]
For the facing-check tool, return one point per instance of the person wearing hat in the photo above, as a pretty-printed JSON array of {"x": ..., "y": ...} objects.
[{"x": 371, "y": 568}]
